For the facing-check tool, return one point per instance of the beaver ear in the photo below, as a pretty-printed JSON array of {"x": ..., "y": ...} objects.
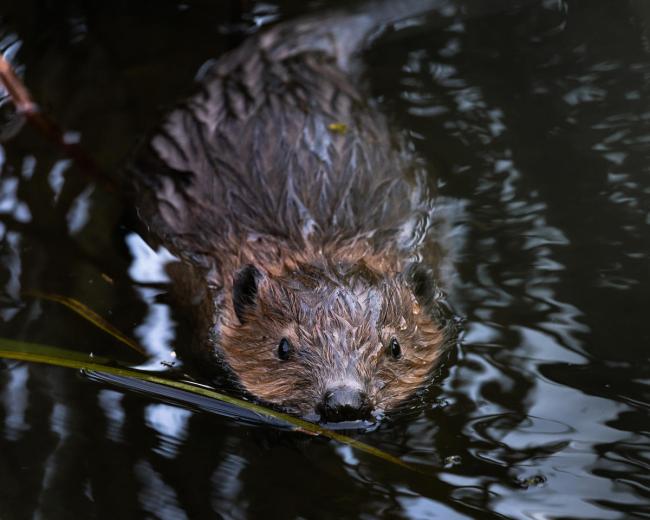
[
  {"x": 244, "y": 290},
  {"x": 421, "y": 281}
]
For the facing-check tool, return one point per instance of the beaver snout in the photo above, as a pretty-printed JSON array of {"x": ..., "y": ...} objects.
[{"x": 344, "y": 403}]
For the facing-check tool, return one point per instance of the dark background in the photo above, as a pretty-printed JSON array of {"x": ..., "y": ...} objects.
[{"x": 533, "y": 116}]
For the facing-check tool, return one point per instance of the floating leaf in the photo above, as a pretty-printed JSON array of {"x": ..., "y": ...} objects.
[{"x": 338, "y": 128}]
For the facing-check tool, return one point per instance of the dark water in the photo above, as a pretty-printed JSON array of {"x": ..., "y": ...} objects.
[{"x": 534, "y": 116}]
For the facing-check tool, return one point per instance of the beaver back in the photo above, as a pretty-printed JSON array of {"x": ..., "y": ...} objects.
[{"x": 278, "y": 145}]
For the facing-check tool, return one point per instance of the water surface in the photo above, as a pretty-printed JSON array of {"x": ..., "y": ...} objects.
[{"x": 533, "y": 116}]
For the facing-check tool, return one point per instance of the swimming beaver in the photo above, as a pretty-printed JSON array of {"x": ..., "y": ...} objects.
[{"x": 300, "y": 216}]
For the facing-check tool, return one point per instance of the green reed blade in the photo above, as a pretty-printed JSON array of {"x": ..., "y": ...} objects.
[
  {"x": 27, "y": 349},
  {"x": 36, "y": 353},
  {"x": 89, "y": 315}
]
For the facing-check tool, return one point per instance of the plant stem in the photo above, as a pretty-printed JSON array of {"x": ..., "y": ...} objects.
[{"x": 26, "y": 106}]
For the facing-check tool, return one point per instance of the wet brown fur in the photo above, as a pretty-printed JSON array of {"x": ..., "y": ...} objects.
[
  {"x": 250, "y": 171},
  {"x": 340, "y": 312}
]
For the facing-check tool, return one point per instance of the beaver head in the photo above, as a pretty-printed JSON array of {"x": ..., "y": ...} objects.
[{"x": 335, "y": 341}]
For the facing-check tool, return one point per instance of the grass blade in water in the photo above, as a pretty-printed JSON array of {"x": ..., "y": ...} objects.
[
  {"x": 17, "y": 348},
  {"x": 89, "y": 315},
  {"x": 35, "y": 353}
]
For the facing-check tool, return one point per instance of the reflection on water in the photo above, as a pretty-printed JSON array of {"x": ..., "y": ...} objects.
[{"x": 532, "y": 114}]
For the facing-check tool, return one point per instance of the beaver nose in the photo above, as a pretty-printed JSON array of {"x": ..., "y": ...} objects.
[{"x": 344, "y": 403}]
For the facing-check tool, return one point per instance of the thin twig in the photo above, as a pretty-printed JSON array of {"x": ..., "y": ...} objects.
[
  {"x": 26, "y": 106},
  {"x": 19, "y": 94}
]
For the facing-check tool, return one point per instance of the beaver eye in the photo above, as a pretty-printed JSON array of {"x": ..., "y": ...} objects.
[
  {"x": 395, "y": 349},
  {"x": 284, "y": 349}
]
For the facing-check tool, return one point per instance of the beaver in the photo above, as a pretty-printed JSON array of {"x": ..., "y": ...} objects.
[{"x": 300, "y": 216}]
